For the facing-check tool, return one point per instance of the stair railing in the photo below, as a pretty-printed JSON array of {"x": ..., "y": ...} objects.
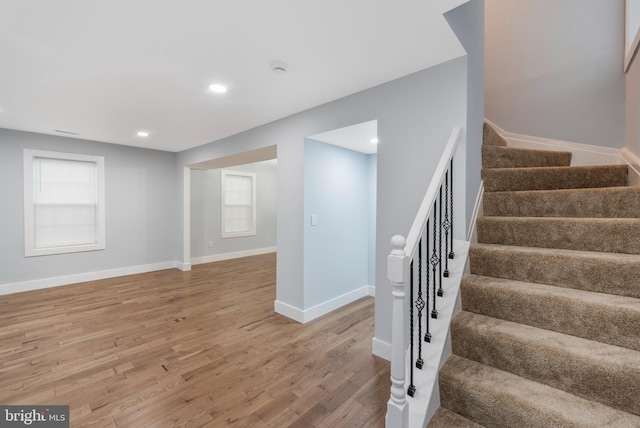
[{"x": 431, "y": 231}]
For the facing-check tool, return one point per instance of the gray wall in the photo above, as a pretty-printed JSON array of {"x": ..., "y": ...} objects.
[
  {"x": 468, "y": 24},
  {"x": 633, "y": 107},
  {"x": 554, "y": 69},
  {"x": 205, "y": 211},
  {"x": 415, "y": 117},
  {"x": 336, "y": 191},
  {"x": 141, "y": 208}
]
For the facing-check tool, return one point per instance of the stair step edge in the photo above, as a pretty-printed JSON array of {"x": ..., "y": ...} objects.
[{"x": 497, "y": 398}]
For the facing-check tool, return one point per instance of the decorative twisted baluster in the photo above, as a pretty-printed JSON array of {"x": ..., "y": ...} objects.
[
  {"x": 446, "y": 225},
  {"x": 435, "y": 260},
  {"x": 440, "y": 290},
  {"x": 419, "y": 306},
  {"x": 412, "y": 388},
  {"x": 427, "y": 335},
  {"x": 451, "y": 253}
]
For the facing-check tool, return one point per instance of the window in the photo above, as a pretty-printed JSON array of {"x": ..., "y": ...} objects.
[
  {"x": 238, "y": 204},
  {"x": 63, "y": 203}
]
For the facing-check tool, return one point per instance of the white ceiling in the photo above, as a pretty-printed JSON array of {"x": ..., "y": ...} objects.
[
  {"x": 355, "y": 137},
  {"x": 108, "y": 69}
]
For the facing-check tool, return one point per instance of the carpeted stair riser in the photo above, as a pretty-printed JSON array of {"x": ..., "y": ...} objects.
[
  {"x": 490, "y": 137},
  {"x": 495, "y": 398},
  {"x": 551, "y": 178},
  {"x": 617, "y": 274},
  {"x": 613, "y": 202},
  {"x": 604, "y": 373},
  {"x": 551, "y": 309},
  {"x": 588, "y": 234},
  {"x": 444, "y": 418},
  {"x": 509, "y": 157},
  {"x": 601, "y": 317}
]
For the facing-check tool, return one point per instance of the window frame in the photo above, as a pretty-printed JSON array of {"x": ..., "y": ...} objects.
[
  {"x": 223, "y": 179},
  {"x": 30, "y": 249}
]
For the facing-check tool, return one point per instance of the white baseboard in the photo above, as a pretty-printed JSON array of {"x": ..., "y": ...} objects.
[
  {"x": 289, "y": 311},
  {"x": 582, "y": 154},
  {"x": 633, "y": 161},
  {"x": 38, "y": 284},
  {"x": 381, "y": 349},
  {"x": 184, "y": 267},
  {"x": 305, "y": 315},
  {"x": 235, "y": 255}
]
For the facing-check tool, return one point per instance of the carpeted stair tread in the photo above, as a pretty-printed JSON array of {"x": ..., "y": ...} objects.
[
  {"x": 511, "y": 157},
  {"x": 445, "y": 418},
  {"x": 613, "y": 202},
  {"x": 490, "y": 137},
  {"x": 554, "y": 177},
  {"x": 599, "y": 272},
  {"x": 495, "y": 398},
  {"x": 592, "y": 370},
  {"x": 601, "y": 317},
  {"x": 617, "y": 235}
]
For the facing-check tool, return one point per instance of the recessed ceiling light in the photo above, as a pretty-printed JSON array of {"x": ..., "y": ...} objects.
[
  {"x": 375, "y": 140},
  {"x": 218, "y": 88},
  {"x": 143, "y": 134}
]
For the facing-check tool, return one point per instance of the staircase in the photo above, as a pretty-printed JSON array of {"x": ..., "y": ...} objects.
[{"x": 549, "y": 333}]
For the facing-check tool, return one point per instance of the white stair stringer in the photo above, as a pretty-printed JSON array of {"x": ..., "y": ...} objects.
[{"x": 426, "y": 400}]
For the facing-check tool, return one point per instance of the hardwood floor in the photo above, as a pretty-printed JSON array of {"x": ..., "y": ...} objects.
[{"x": 190, "y": 349}]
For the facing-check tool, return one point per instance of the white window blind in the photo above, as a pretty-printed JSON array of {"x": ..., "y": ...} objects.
[
  {"x": 238, "y": 204},
  {"x": 64, "y": 203}
]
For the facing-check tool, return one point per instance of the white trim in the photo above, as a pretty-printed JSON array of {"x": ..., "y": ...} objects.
[
  {"x": 630, "y": 51},
  {"x": 184, "y": 267},
  {"x": 478, "y": 209},
  {"x": 423, "y": 405},
  {"x": 628, "y": 59},
  {"x": 38, "y": 284},
  {"x": 234, "y": 255},
  {"x": 305, "y": 315},
  {"x": 223, "y": 204},
  {"x": 288, "y": 311},
  {"x": 30, "y": 249},
  {"x": 424, "y": 211},
  {"x": 381, "y": 349},
  {"x": 633, "y": 161},
  {"x": 186, "y": 219},
  {"x": 582, "y": 154}
]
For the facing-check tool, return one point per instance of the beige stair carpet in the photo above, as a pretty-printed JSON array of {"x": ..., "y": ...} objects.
[{"x": 549, "y": 335}]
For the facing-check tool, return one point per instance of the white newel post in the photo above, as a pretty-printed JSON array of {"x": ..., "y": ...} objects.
[{"x": 397, "y": 407}]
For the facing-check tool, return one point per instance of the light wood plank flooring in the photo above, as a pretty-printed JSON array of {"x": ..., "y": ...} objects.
[{"x": 190, "y": 349}]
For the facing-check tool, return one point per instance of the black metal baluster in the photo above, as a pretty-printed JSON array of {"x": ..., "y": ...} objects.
[
  {"x": 446, "y": 225},
  {"x": 434, "y": 258},
  {"x": 420, "y": 307},
  {"x": 427, "y": 335},
  {"x": 451, "y": 253},
  {"x": 412, "y": 389},
  {"x": 440, "y": 290}
]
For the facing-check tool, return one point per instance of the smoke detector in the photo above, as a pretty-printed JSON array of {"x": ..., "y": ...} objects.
[{"x": 279, "y": 67}]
